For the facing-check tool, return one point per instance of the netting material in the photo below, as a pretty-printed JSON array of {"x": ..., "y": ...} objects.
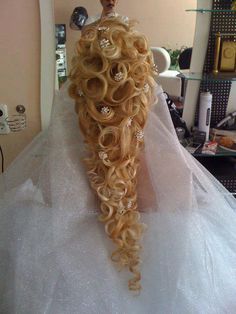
[{"x": 58, "y": 252}]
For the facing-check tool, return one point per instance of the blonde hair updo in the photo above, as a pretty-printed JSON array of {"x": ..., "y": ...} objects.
[{"x": 113, "y": 86}]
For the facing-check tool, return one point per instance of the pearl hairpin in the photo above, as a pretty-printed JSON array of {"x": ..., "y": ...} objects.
[
  {"x": 129, "y": 204},
  {"x": 80, "y": 93},
  {"x": 105, "y": 110},
  {"x": 122, "y": 210},
  {"x": 104, "y": 43},
  {"x": 119, "y": 76},
  {"x": 102, "y": 155},
  {"x": 103, "y": 28},
  {"x": 129, "y": 122},
  {"x": 154, "y": 68},
  {"x": 139, "y": 135},
  {"x": 146, "y": 88}
]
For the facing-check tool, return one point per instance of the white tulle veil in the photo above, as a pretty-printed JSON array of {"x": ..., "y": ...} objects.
[{"x": 55, "y": 255}]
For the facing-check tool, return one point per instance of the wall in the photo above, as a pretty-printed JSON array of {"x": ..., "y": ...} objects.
[
  {"x": 165, "y": 23},
  {"x": 48, "y": 44},
  {"x": 20, "y": 69}
]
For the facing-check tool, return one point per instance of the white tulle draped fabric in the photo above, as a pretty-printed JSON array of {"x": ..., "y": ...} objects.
[{"x": 55, "y": 255}]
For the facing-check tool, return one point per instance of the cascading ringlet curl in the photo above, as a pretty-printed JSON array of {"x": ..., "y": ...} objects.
[{"x": 114, "y": 69}]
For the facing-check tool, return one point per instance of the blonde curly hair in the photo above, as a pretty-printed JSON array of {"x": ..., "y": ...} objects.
[{"x": 113, "y": 86}]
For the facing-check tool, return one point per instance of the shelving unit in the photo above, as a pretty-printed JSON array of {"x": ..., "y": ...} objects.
[
  {"x": 194, "y": 76},
  {"x": 220, "y": 153},
  {"x": 211, "y": 10},
  {"x": 61, "y": 58},
  {"x": 223, "y": 20}
]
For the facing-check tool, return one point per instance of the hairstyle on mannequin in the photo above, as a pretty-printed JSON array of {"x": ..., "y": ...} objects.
[{"x": 113, "y": 86}]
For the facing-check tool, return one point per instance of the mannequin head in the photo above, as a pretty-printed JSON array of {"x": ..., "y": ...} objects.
[{"x": 108, "y": 6}]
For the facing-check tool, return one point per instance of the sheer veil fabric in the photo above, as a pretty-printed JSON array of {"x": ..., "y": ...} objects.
[{"x": 55, "y": 255}]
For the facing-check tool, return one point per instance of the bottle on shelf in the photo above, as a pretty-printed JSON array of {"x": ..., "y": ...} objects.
[{"x": 205, "y": 113}]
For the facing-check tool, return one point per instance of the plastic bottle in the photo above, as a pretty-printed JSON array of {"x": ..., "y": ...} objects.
[{"x": 204, "y": 117}]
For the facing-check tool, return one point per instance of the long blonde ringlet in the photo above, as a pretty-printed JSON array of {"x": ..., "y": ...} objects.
[{"x": 111, "y": 138}]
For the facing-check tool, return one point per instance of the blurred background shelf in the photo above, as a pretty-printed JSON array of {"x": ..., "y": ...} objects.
[
  {"x": 211, "y": 10},
  {"x": 194, "y": 76}
]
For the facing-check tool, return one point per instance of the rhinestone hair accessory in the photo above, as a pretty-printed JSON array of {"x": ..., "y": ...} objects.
[
  {"x": 104, "y": 43},
  {"x": 139, "y": 135},
  {"x": 80, "y": 93},
  {"x": 102, "y": 155},
  {"x": 129, "y": 122},
  {"x": 103, "y": 29},
  {"x": 119, "y": 76},
  {"x": 105, "y": 110},
  {"x": 129, "y": 204},
  {"x": 146, "y": 88},
  {"x": 155, "y": 69}
]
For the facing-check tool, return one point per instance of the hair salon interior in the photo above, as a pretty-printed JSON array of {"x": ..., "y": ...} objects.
[{"x": 193, "y": 43}]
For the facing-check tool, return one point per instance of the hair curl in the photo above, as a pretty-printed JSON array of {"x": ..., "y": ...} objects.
[{"x": 112, "y": 137}]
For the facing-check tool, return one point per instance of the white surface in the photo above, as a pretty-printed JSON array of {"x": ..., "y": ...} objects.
[
  {"x": 170, "y": 83},
  {"x": 161, "y": 58},
  {"x": 166, "y": 78},
  {"x": 47, "y": 60}
]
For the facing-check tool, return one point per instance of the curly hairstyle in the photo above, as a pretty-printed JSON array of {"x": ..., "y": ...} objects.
[{"x": 113, "y": 86}]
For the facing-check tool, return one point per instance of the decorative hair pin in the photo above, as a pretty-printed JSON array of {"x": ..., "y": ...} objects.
[
  {"x": 102, "y": 155},
  {"x": 80, "y": 93},
  {"x": 105, "y": 110},
  {"x": 119, "y": 76},
  {"x": 125, "y": 19},
  {"x": 139, "y": 135},
  {"x": 129, "y": 204},
  {"x": 155, "y": 69},
  {"x": 146, "y": 88},
  {"x": 129, "y": 122},
  {"x": 103, "y": 28},
  {"x": 104, "y": 43},
  {"x": 122, "y": 210}
]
